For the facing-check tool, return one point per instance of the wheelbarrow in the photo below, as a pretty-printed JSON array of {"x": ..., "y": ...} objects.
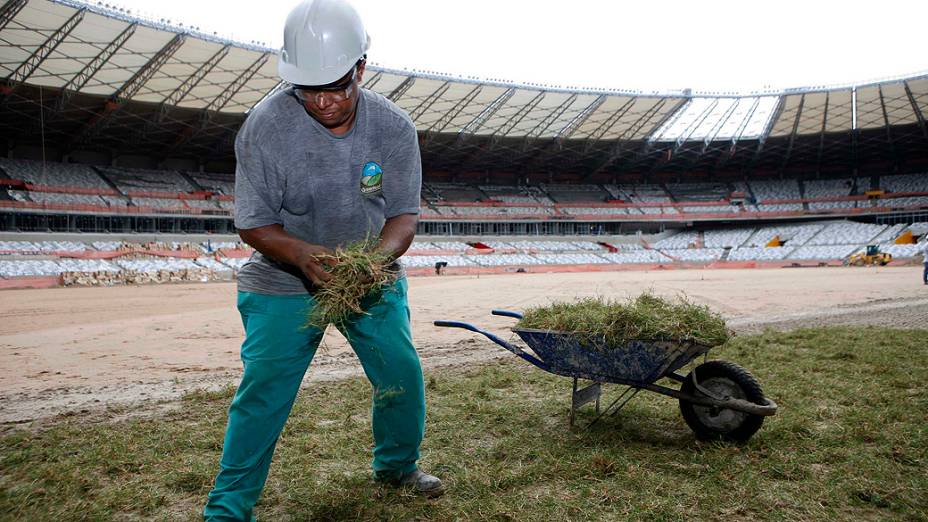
[{"x": 719, "y": 400}]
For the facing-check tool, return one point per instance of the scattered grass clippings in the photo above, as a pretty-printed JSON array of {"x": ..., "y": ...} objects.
[
  {"x": 644, "y": 317},
  {"x": 360, "y": 270}
]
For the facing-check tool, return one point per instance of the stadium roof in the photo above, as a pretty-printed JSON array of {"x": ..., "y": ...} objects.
[{"x": 108, "y": 80}]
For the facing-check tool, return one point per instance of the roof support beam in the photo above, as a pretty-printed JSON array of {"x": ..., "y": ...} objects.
[
  {"x": 80, "y": 79},
  {"x": 717, "y": 128},
  {"x": 442, "y": 123},
  {"x": 607, "y": 125},
  {"x": 429, "y": 100},
  {"x": 568, "y": 130},
  {"x": 733, "y": 145},
  {"x": 620, "y": 142},
  {"x": 744, "y": 124},
  {"x": 685, "y": 135},
  {"x": 918, "y": 113},
  {"x": 9, "y": 11},
  {"x": 281, "y": 85},
  {"x": 372, "y": 81},
  {"x": 821, "y": 135},
  {"x": 190, "y": 83},
  {"x": 487, "y": 113},
  {"x": 401, "y": 89},
  {"x": 777, "y": 112},
  {"x": 128, "y": 90},
  {"x": 29, "y": 66},
  {"x": 792, "y": 135},
  {"x": 515, "y": 119},
  {"x": 178, "y": 95},
  {"x": 889, "y": 132},
  {"x": 219, "y": 102},
  {"x": 547, "y": 121}
]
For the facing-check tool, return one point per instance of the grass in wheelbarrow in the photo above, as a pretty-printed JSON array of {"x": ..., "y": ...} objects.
[
  {"x": 644, "y": 317},
  {"x": 360, "y": 270}
]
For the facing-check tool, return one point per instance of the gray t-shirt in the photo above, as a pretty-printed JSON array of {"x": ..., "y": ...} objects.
[{"x": 322, "y": 188}]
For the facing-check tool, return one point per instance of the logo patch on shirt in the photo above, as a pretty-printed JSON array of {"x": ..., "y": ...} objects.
[{"x": 371, "y": 179}]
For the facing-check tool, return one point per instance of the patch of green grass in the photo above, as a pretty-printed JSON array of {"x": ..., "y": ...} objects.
[{"x": 849, "y": 443}]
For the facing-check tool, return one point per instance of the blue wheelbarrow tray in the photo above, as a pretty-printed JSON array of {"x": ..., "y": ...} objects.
[{"x": 635, "y": 362}]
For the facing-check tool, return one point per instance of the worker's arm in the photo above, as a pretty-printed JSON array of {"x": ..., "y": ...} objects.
[
  {"x": 277, "y": 244},
  {"x": 397, "y": 234}
]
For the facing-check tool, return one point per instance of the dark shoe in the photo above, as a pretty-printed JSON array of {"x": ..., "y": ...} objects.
[{"x": 422, "y": 483}]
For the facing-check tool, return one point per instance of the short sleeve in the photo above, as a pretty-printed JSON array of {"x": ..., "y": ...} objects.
[
  {"x": 402, "y": 172},
  {"x": 258, "y": 188}
]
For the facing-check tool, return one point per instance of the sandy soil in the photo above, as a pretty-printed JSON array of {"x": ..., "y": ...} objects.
[{"x": 74, "y": 350}]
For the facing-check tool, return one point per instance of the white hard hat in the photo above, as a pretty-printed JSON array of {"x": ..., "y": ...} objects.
[{"x": 323, "y": 39}]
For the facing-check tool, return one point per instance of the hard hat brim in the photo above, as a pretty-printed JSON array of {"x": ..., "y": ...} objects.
[{"x": 296, "y": 76}]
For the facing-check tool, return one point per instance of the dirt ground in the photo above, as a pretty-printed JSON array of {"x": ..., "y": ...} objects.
[{"x": 79, "y": 350}]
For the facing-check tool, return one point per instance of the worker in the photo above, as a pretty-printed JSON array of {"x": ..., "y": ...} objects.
[
  {"x": 321, "y": 164},
  {"x": 925, "y": 262}
]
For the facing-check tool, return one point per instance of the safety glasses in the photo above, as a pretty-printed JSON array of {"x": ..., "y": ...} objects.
[{"x": 335, "y": 93}]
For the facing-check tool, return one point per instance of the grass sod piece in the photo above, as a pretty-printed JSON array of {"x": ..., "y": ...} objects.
[
  {"x": 646, "y": 317},
  {"x": 360, "y": 271}
]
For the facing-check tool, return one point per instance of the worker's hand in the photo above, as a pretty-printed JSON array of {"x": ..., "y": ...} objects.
[{"x": 312, "y": 260}]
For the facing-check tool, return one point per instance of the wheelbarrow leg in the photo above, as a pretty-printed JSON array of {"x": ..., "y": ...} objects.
[{"x": 582, "y": 396}]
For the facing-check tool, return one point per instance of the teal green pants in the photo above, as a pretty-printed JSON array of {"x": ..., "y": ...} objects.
[{"x": 276, "y": 353}]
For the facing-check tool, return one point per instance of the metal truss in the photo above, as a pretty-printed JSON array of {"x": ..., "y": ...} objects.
[
  {"x": 717, "y": 128},
  {"x": 401, "y": 88},
  {"x": 568, "y": 130},
  {"x": 792, "y": 135},
  {"x": 442, "y": 123},
  {"x": 29, "y": 66},
  {"x": 429, "y": 100},
  {"x": 220, "y": 101},
  {"x": 9, "y": 11},
  {"x": 762, "y": 140},
  {"x": 918, "y": 113},
  {"x": 170, "y": 102},
  {"x": 128, "y": 90},
  {"x": 191, "y": 82},
  {"x": 821, "y": 134},
  {"x": 80, "y": 79},
  {"x": 281, "y": 85},
  {"x": 474, "y": 125},
  {"x": 620, "y": 141},
  {"x": 370, "y": 83},
  {"x": 889, "y": 132},
  {"x": 607, "y": 125},
  {"x": 515, "y": 119},
  {"x": 547, "y": 122}
]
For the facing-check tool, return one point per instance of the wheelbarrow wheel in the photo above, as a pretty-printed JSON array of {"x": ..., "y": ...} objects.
[{"x": 724, "y": 379}]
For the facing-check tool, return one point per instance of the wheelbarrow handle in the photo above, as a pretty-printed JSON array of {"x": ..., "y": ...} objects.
[
  {"x": 507, "y": 313},
  {"x": 511, "y": 347}
]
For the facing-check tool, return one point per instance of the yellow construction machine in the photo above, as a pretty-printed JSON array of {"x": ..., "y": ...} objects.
[{"x": 871, "y": 256}]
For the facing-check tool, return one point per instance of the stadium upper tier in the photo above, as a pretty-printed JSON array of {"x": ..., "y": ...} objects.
[
  {"x": 110, "y": 82},
  {"x": 34, "y": 186}
]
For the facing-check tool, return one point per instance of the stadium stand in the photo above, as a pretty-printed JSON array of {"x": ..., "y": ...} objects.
[
  {"x": 141, "y": 180},
  {"x": 822, "y": 252},
  {"x": 905, "y": 183},
  {"x": 758, "y": 253},
  {"x": 53, "y": 174},
  {"x": 694, "y": 254}
]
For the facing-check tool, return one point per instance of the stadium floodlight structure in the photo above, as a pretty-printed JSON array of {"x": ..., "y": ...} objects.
[{"x": 79, "y": 76}]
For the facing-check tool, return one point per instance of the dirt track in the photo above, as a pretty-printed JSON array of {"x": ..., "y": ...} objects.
[{"x": 80, "y": 349}]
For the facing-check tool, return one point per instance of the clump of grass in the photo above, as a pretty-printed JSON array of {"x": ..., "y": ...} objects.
[
  {"x": 360, "y": 270},
  {"x": 644, "y": 317}
]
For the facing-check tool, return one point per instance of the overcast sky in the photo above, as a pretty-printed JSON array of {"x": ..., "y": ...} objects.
[{"x": 705, "y": 45}]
